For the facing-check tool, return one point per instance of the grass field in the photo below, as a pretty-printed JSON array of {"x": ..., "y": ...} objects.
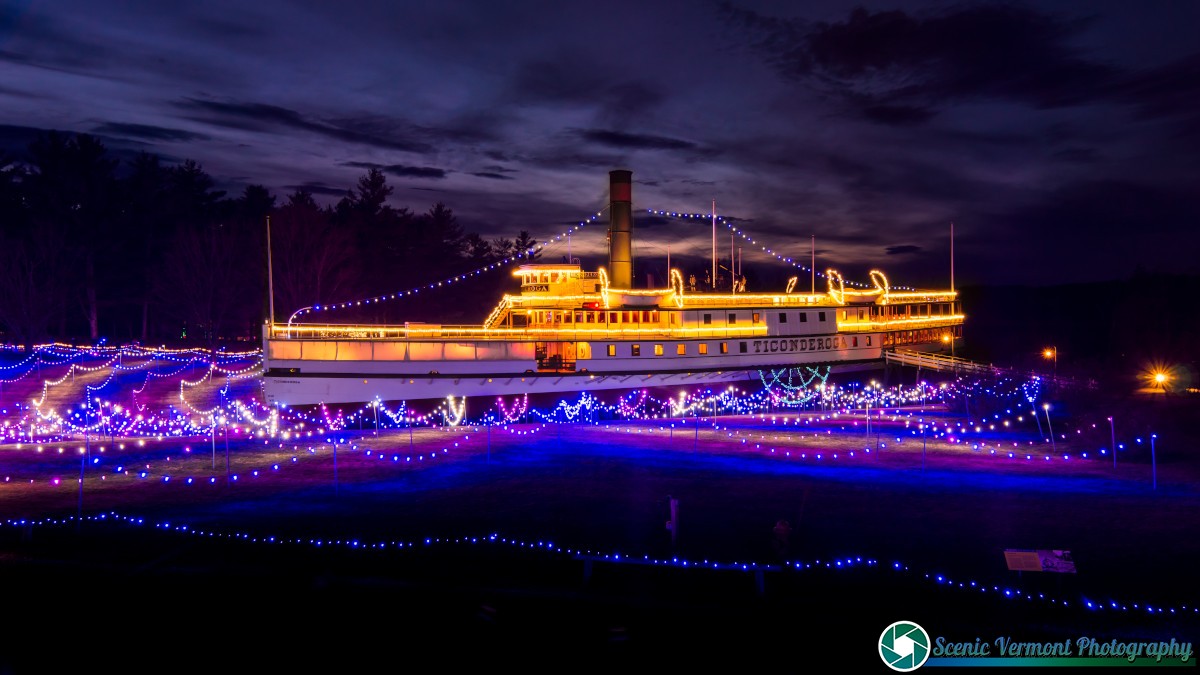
[{"x": 524, "y": 540}]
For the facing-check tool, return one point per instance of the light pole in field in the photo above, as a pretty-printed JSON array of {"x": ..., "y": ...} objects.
[
  {"x": 1051, "y": 353},
  {"x": 1113, "y": 430},
  {"x": 1153, "y": 462},
  {"x": 1050, "y": 427}
]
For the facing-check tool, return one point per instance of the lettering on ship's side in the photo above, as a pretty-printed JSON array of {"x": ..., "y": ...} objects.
[
  {"x": 536, "y": 288},
  {"x": 799, "y": 344}
]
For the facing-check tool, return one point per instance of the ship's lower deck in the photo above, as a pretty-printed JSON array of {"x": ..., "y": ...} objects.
[
  {"x": 313, "y": 372},
  {"x": 300, "y": 389}
]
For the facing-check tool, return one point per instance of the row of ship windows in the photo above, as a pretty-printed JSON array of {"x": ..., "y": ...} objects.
[
  {"x": 702, "y": 348},
  {"x": 652, "y": 316},
  {"x": 706, "y": 319}
]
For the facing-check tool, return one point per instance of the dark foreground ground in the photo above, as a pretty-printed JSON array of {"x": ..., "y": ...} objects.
[{"x": 546, "y": 593}]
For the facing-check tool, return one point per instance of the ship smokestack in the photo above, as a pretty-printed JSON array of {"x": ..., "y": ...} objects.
[{"x": 620, "y": 229}]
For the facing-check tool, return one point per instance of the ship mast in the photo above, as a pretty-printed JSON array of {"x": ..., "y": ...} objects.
[
  {"x": 270, "y": 276},
  {"x": 714, "y": 256}
]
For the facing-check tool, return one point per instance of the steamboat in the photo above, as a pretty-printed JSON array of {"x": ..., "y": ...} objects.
[{"x": 571, "y": 330}]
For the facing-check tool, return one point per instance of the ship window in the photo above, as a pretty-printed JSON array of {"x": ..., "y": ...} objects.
[
  {"x": 724, "y": 347},
  {"x": 645, "y": 317},
  {"x": 707, "y": 319},
  {"x": 742, "y": 347},
  {"x": 635, "y": 350},
  {"x": 579, "y": 317},
  {"x": 612, "y": 317},
  {"x": 654, "y": 316},
  {"x": 843, "y": 315},
  {"x": 803, "y": 317},
  {"x": 732, "y": 318},
  {"x": 757, "y": 318},
  {"x": 783, "y": 317},
  {"x": 702, "y": 348},
  {"x": 868, "y": 340},
  {"x": 860, "y": 315},
  {"x": 681, "y": 349},
  {"x": 854, "y": 341},
  {"x": 658, "y": 350},
  {"x": 820, "y": 316},
  {"x": 612, "y": 350}
]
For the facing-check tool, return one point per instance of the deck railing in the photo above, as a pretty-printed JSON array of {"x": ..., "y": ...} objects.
[{"x": 443, "y": 332}]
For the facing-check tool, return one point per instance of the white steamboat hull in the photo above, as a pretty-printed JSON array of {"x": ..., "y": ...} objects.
[{"x": 303, "y": 383}]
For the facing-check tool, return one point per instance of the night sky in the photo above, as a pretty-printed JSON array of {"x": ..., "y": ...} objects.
[{"x": 1061, "y": 139}]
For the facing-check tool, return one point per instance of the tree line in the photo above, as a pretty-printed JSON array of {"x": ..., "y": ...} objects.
[{"x": 93, "y": 249}]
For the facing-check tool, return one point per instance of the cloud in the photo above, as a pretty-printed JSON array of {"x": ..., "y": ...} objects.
[
  {"x": 265, "y": 117},
  {"x": 492, "y": 175},
  {"x": 401, "y": 170},
  {"x": 571, "y": 80},
  {"x": 897, "y": 67},
  {"x": 903, "y": 249},
  {"x": 148, "y": 132},
  {"x": 47, "y": 43},
  {"x": 897, "y": 115},
  {"x": 620, "y": 139},
  {"x": 317, "y": 189},
  {"x": 1167, "y": 91}
]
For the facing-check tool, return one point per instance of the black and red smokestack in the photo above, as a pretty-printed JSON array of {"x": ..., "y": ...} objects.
[{"x": 620, "y": 229}]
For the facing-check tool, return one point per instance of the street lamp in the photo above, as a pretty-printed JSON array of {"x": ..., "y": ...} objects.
[
  {"x": 868, "y": 399},
  {"x": 1113, "y": 430},
  {"x": 1051, "y": 353},
  {"x": 1053, "y": 446}
]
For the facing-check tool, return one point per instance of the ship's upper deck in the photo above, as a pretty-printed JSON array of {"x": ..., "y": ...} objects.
[{"x": 557, "y": 299}]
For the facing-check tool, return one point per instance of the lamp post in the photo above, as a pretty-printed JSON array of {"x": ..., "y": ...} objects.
[
  {"x": 922, "y": 445},
  {"x": 1052, "y": 354},
  {"x": 1113, "y": 430},
  {"x": 1153, "y": 462},
  {"x": 868, "y": 399},
  {"x": 1053, "y": 446}
]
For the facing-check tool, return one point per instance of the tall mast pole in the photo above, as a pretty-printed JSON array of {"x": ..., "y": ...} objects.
[
  {"x": 953, "y": 302},
  {"x": 813, "y": 267},
  {"x": 270, "y": 276},
  {"x": 714, "y": 257},
  {"x": 732, "y": 270}
]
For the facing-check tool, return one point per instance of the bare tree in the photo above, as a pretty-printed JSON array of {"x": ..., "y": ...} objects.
[
  {"x": 312, "y": 256},
  {"x": 31, "y": 284},
  {"x": 201, "y": 279}
]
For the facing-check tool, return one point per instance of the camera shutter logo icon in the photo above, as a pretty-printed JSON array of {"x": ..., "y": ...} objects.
[{"x": 904, "y": 646}]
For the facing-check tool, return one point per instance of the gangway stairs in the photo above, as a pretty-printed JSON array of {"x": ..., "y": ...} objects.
[{"x": 938, "y": 362}]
